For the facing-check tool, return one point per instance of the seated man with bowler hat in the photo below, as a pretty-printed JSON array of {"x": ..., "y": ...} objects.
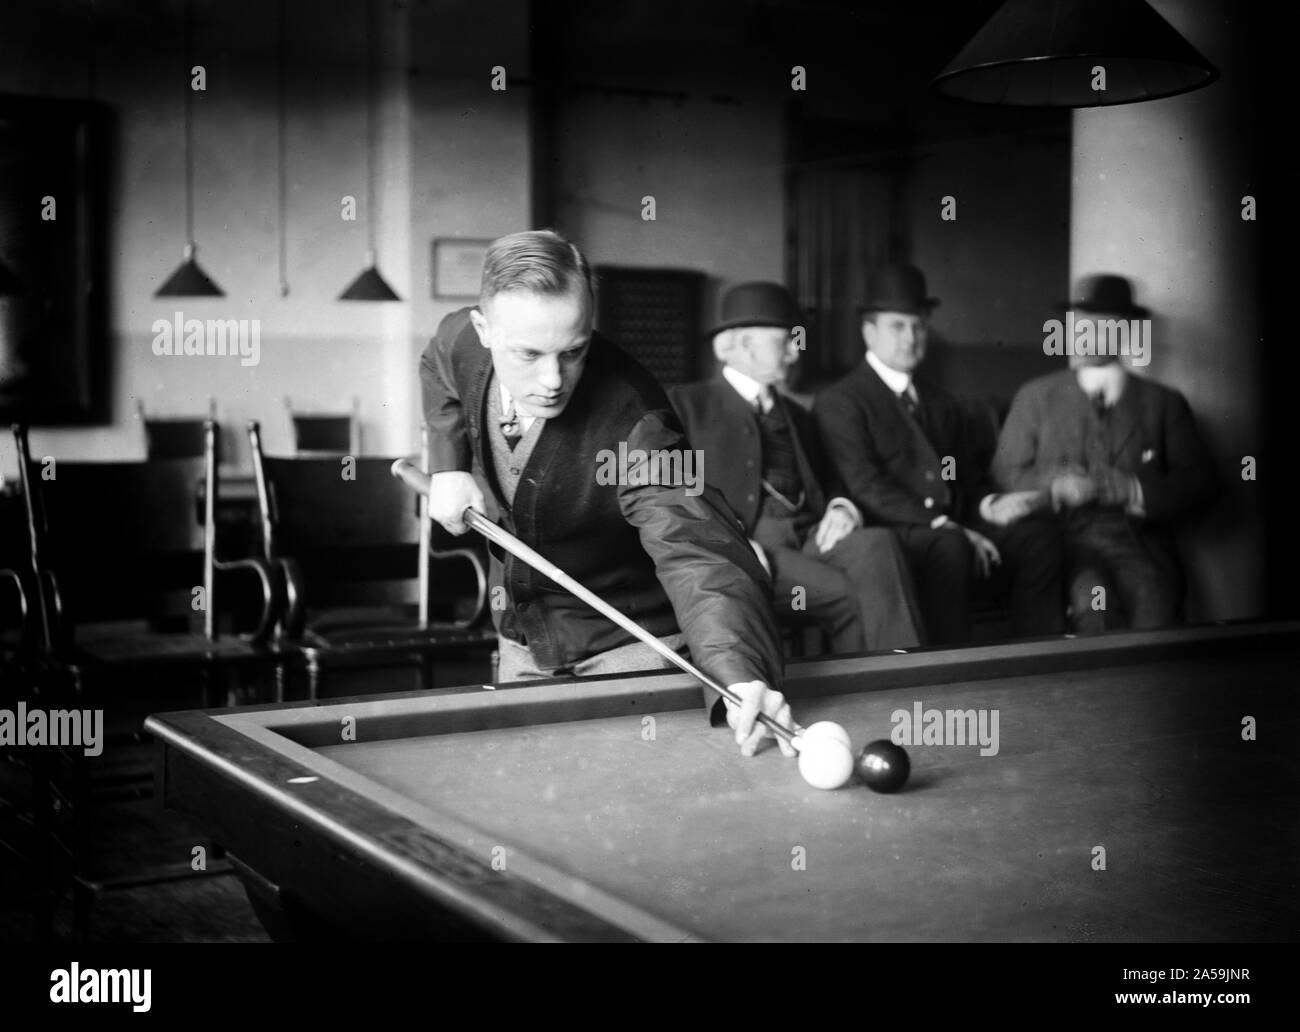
[
  {"x": 1120, "y": 458},
  {"x": 762, "y": 451},
  {"x": 901, "y": 448}
]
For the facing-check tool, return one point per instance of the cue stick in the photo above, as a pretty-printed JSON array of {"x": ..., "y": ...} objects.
[{"x": 418, "y": 480}]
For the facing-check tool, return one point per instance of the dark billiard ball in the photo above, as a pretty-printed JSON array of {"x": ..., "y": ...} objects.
[{"x": 883, "y": 765}]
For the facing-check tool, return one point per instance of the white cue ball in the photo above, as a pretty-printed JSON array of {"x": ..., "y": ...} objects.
[
  {"x": 825, "y": 762},
  {"x": 828, "y": 729}
]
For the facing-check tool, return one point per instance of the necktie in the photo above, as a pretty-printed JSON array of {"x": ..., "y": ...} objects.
[
  {"x": 763, "y": 401},
  {"x": 510, "y": 428},
  {"x": 914, "y": 409},
  {"x": 1099, "y": 404}
]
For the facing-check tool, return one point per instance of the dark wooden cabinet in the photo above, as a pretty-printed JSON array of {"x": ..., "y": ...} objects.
[
  {"x": 654, "y": 315},
  {"x": 53, "y": 333}
]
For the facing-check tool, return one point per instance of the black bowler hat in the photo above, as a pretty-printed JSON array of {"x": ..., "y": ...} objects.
[
  {"x": 897, "y": 288},
  {"x": 1104, "y": 292},
  {"x": 756, "y": 304}
]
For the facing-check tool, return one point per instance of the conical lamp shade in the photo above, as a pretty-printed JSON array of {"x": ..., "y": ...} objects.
[
  {"x": 369, "y": 286},
  {"x": 1042, "y": 53},
  {"x": 189, "y": 281}
]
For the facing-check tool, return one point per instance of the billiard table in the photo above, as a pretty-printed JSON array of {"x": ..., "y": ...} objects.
[{"x": 1140, "y": 786}]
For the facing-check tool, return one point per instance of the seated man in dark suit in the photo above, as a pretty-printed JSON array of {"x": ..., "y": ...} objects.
[
  {"x": 900, "y": 446},
  {"x": 1122, "y": 461},
  {"x": 762, "y": 451}
]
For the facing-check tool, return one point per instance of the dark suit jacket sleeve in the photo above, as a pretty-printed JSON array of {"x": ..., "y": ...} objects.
[
  {"x": 1015, "y": 461},
  {"x": 821, "y": 467},
  {"x": 680, "y": 402},
  {"x": 719, "y": 591},
  {"x": 1186, "y": 479},
  {"x": 973, "y": 476},
  {"x": 448, "y": 443},
  {"x": 846, "y": 433}
]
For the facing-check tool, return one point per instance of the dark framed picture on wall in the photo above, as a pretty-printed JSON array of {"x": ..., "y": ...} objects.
[
  {"x": 52, "y": 260},
  {"x": 457, "y": 267}
]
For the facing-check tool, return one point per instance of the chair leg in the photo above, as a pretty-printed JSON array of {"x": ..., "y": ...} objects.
[
  {"x": 313, "y": 678},
  {"x": 84, "y": 846},
  {"x": 83, "y": 898},
  {"x": 44, "y": 853},
  {"x": 83, "y": 835}
]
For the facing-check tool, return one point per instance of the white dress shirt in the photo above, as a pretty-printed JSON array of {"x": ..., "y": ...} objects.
[
  {"x": 507, "y": 400},
  {"x": 899, "y": 383},
  {"x": 1107, "y": 380}
]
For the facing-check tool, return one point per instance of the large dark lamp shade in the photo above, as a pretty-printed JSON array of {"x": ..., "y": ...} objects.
[{"x": 1041, "y": 53}]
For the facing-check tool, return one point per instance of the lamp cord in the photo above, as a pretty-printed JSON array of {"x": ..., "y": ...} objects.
[
  {"x": 282, "y": 132},
  {"x": 189, "y": 123},
  {"x": 370, "y": 128},
  {"x": 91, "y": 70}
]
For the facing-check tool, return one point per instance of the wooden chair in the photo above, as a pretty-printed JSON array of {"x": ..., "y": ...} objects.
[
  {"x": 14, "y": 612},
  {"x": 23, "y": 819},
  {"x": 110, "y": 541},
  {"x": 123, "y": 595},
  {"x": 16, "y": 631},
  {"x": 354, "y": 547},
  {"x": 325, "y": 433}
]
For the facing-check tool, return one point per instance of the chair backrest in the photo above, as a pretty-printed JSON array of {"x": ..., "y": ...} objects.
[
  {"x": 173, "y": 438},
  {"x": 343, "y": 519},
  {"x": 177, "y": 438},
  {"x": 17, "y": 600},
  {"x": 119, "y": 540},
  {"x": 326, "y": 433}
]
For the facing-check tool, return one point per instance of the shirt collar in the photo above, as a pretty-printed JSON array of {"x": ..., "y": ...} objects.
[
  {"x": 899, "y": 383},
  {"x": 1106, "y": 380},
  {"x": 746, "y": 386},
  {"x": 507, "y": 399}
]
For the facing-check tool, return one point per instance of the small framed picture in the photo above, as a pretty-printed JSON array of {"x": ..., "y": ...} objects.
[{"x": 457, "y": 267}]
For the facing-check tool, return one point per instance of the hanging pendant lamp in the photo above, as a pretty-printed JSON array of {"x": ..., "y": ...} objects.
[
  {"x": 189, "y": 280},
  {"x": 1059, "y": 53},
  {"x": 370, "y": 285}
]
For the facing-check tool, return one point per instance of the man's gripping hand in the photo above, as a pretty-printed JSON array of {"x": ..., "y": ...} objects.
[
  {"x": 450, "y": 494},
  {"x": 1002, "y": 510},
  {"x": 1116, "y": 488},
  {"x": 1072, "y": 489},
  {"x": 985, "y": 552},
  {"x": 835, "y": 526},
  {"x": 755, "y": 697}
]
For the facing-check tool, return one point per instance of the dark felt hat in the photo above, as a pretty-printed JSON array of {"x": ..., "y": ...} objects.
[
  {"x": 1104, "y": 292},
  {"x": 898, "y": 288},
  {"x": 756, "y": 303}
]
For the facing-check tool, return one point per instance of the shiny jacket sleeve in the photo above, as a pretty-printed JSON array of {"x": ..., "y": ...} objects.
[
  {"x": 449, "y": 446},
  {"x": 719, "y": 592}
]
